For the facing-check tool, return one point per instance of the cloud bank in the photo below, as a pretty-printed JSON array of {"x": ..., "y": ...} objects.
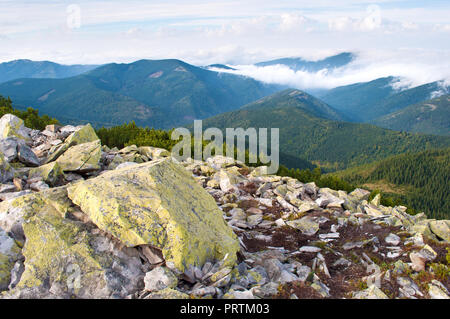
[{"x": 413, "y": 68}]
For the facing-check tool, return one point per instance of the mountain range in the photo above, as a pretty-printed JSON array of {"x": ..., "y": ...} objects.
[
  {"x": 169, "y": 93},
  {"x": 299, "y": 64},
  {"x": 157, "y": 93},
  {"x": 40, "y": 69},
  {"x": 430, "y": 117},
  {"x": 364, "y": 102}
]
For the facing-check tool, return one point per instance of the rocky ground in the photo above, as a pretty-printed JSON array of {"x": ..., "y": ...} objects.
[{"x": 80, "y": 220}]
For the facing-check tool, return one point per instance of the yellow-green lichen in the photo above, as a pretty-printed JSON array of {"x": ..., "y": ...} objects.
[
  {"x": 158, "y": 203},
  {"x": 82, "y": 158}
]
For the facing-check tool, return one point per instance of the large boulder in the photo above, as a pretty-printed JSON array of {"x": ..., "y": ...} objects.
[
  {"x": 153, "y": 152},
  {"x": 158, "y": 203},
  {"x": 14, "y": 211},
  {"x": 85, "y": 134},
  {"x": 50, "y": 173},
  {"x": 65, "y": 258},
  {"x": 441, "y": 228},
  {"x": 82, "y": 135},
  {"x": 81, "y": 158},
  {"x": 8, "y": 147},
  {"x": 27, "y": 156},
  {"x": 12, "y": 126}
]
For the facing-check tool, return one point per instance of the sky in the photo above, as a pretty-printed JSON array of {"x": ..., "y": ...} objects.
[{"x": 399, "y": 37}]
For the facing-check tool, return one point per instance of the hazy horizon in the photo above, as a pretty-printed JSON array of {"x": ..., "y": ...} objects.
[{"x": 408, "y": 39}]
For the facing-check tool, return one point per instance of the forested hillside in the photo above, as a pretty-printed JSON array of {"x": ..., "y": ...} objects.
[
  {"x": 154, "y": 93},
  {"x": 420, "y": 180},
  {"x": 364, "y": 102},
  {"x": 333, "y": 145},
  {"x": 430, "y": 117},
  {"x": 30, "y": 117}
]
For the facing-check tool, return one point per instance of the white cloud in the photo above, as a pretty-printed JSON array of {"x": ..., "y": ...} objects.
[
  {"x": 412, "y": 67},
  {"x": 369, "y": 22},
  {"x": 204, "y": 32},
  {"x": 443, "y": 88},
  {"x": 442, "y": 27},
  {"x": 292, "y": 21}
]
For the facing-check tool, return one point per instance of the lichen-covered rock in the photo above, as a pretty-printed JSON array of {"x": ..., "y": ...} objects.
[
  {"x": 85, "y": 134},
  {"x": 360, "y": 194},
  {"x": 15, "y": 211},
  {"x": 64, "y": 258},
  {"x": 50, "y": 173},
  {"x": 376, "y": 201},
  {"x": 160, "y": 204},
  {"x": 82, "y": 135},
  {"x": 373, "y": 292},
  {"x": 12, "y": 126},
  {"x": 9, "y": 254},
  {"x": 217, "y": 162},
  {"x": 117, "y": 160},
  {"x": 168, "y": 293},
  {"x": 441, "y": 228},
  {"x": 6, "y": 171},
  {"x": 306, "y": 225},
  {"x": 81, "y": 158},
  {"x": 153, "y": 152},
  {"x": 227, "y": 179},
  {"x": 259, "y": 171}
]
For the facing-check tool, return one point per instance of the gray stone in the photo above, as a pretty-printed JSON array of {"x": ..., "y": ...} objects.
[
  {"x": 392, "y": 239},
  {"x": 159, "y": 279},
  {"x": 307, "y": 225},
  {"x": 12, "y": 126},
  {"x": 27, "y": 156},
  {"x": 39, "y": 186},
  {"x": 7, "y": 188},
  {"x": 309, "y": 249},
  {"x": 373, "y": 292},
  {"x": 268, "y": 290},
  {"x": 126, "y": 164},
  {"x": 8, "y": 147}
]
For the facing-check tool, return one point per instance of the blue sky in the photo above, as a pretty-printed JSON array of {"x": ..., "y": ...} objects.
[{"x": 225, "y": 31}]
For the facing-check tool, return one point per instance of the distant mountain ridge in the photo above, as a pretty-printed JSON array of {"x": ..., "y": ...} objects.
[
  {"x": 298, "y": 99},
  {"x": 431, "y": 117},
  {"x": 300, "y": 64},
  {"x": 157, "y": 93},
  {"x": 365, "y": 102},
  {"x": 40, "y": 69}
]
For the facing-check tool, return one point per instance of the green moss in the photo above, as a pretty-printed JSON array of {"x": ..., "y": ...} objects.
[
  {"x": 441, "y": 271},
  {"x": 361, "y": 285}
]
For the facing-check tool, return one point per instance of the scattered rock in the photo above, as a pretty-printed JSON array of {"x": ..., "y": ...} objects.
[{"x": 133, "y": 223}]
